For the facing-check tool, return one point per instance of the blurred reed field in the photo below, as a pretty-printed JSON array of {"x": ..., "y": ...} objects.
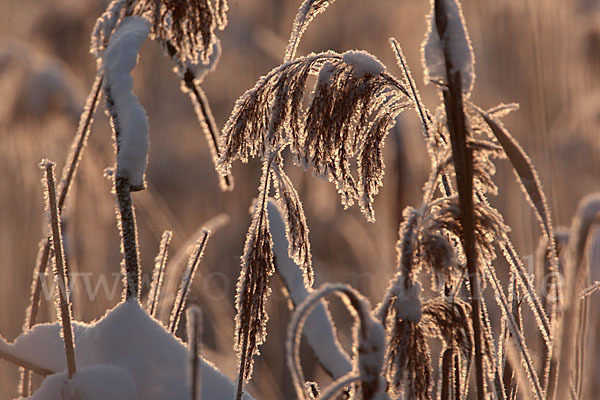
[{"x": 542, "y": 54}]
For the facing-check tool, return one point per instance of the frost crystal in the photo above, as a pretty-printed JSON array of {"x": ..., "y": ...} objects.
[
  {"x": 132, "y": 131},
  {"x": 455, "y": 41}
]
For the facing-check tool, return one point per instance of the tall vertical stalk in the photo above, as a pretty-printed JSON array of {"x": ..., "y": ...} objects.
[
  {"x": 129, "y": 244},
  {"x": 68, "y": 175},
  {"x": 60, "y": 267},
  {"x": 462, "y": 156}
]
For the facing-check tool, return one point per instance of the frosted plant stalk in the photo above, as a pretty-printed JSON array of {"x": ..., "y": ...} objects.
[
  {"x": 186, "y": 281},
  {"x": 369, "y": 346},
  {"x": 160, "y": 262},
  {"x": 194, "y": 333},
  {"x": 60, "y": 267}
]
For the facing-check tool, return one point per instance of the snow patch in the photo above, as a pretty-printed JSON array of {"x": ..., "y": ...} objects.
[
  {"x": 459, "y": 47},
  {"x": 319, "y": 328},
  {"x": 125, "y": 340},
  {"x": 325, "y": 73},
  {"x": 363, "y": 63},
  {"x": 119, "y": 59},
  {"x": 100, "y": 382}
]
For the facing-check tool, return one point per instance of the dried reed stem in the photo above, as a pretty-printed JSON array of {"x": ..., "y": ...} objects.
[
  {"x": 582, "y": 324},
  {"x": 338, "y": 385},
  {"x": 129, "y": 244},
  {"x": 576, "y": 273},
  {"x": 68, "y": 174},
  {"x": 194, "y": 325},
  {"x": 26, "y": 365},
  {"x": 517, "y": 335},
  {"x": 158, "y": 274},
  {"x": 416, "y": 98},
  {"x": 463, "y": 164},
  {"x": 186, "y": 281},
  {"x": 447, "y": 374},
  {"x": 60, "y": 267},
  {"x": 207, "y": 122}
]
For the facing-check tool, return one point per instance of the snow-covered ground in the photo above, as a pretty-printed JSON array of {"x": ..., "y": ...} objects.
[{"x": 126, "y": 354}]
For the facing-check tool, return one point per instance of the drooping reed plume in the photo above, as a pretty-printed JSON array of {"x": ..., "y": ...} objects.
[{"x": 364, "y": 99}]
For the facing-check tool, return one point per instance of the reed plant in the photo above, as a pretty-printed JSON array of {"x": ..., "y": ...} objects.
[{"x": 330, "y": 113}]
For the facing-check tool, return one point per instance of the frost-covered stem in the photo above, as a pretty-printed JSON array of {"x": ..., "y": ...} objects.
[
  {"x": 240, "y": 382},
  {"x": 307, "y": 11},
  {"x": 590, "y": 290},
  {"x": 516, "y": 333},
  {"x": 490, "y": 350},
  {"x": 576, "y": 273},
  {"x": 27, "y": 365},
  {"x": 447, "y": 374},
  {"x": 338, "y": 385},
  {"x": 369, "y": 347},
  {"x": 463, "y": 164},
  {"x": 80, "y": 140},
  {"x": 416, "y": 98},
  {"x": 320, "y": 331},
  {"x": 194, "y": 324},
  {"x": 580, "y": 345},
  {"x": 160, "y": 263},
  {"x": 509, "y": 379},
  {"x": 295, "y": 330},
  {"x": 529, "y": 290},
  {"x": 207, "y": 121},
  {"x": 186, "y": 281},
  {"x": 129, "y": 244},
  {"x": 203, "y": 113},
  {"x": 60, "y": 267},
  {"x": 457, "y": 376},
  {"x": 77, "y": 147}
]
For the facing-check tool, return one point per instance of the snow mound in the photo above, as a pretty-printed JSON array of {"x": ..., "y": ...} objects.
[
  {"x": 126, "y": 339},
  {"x": 98, "y": 382}
]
